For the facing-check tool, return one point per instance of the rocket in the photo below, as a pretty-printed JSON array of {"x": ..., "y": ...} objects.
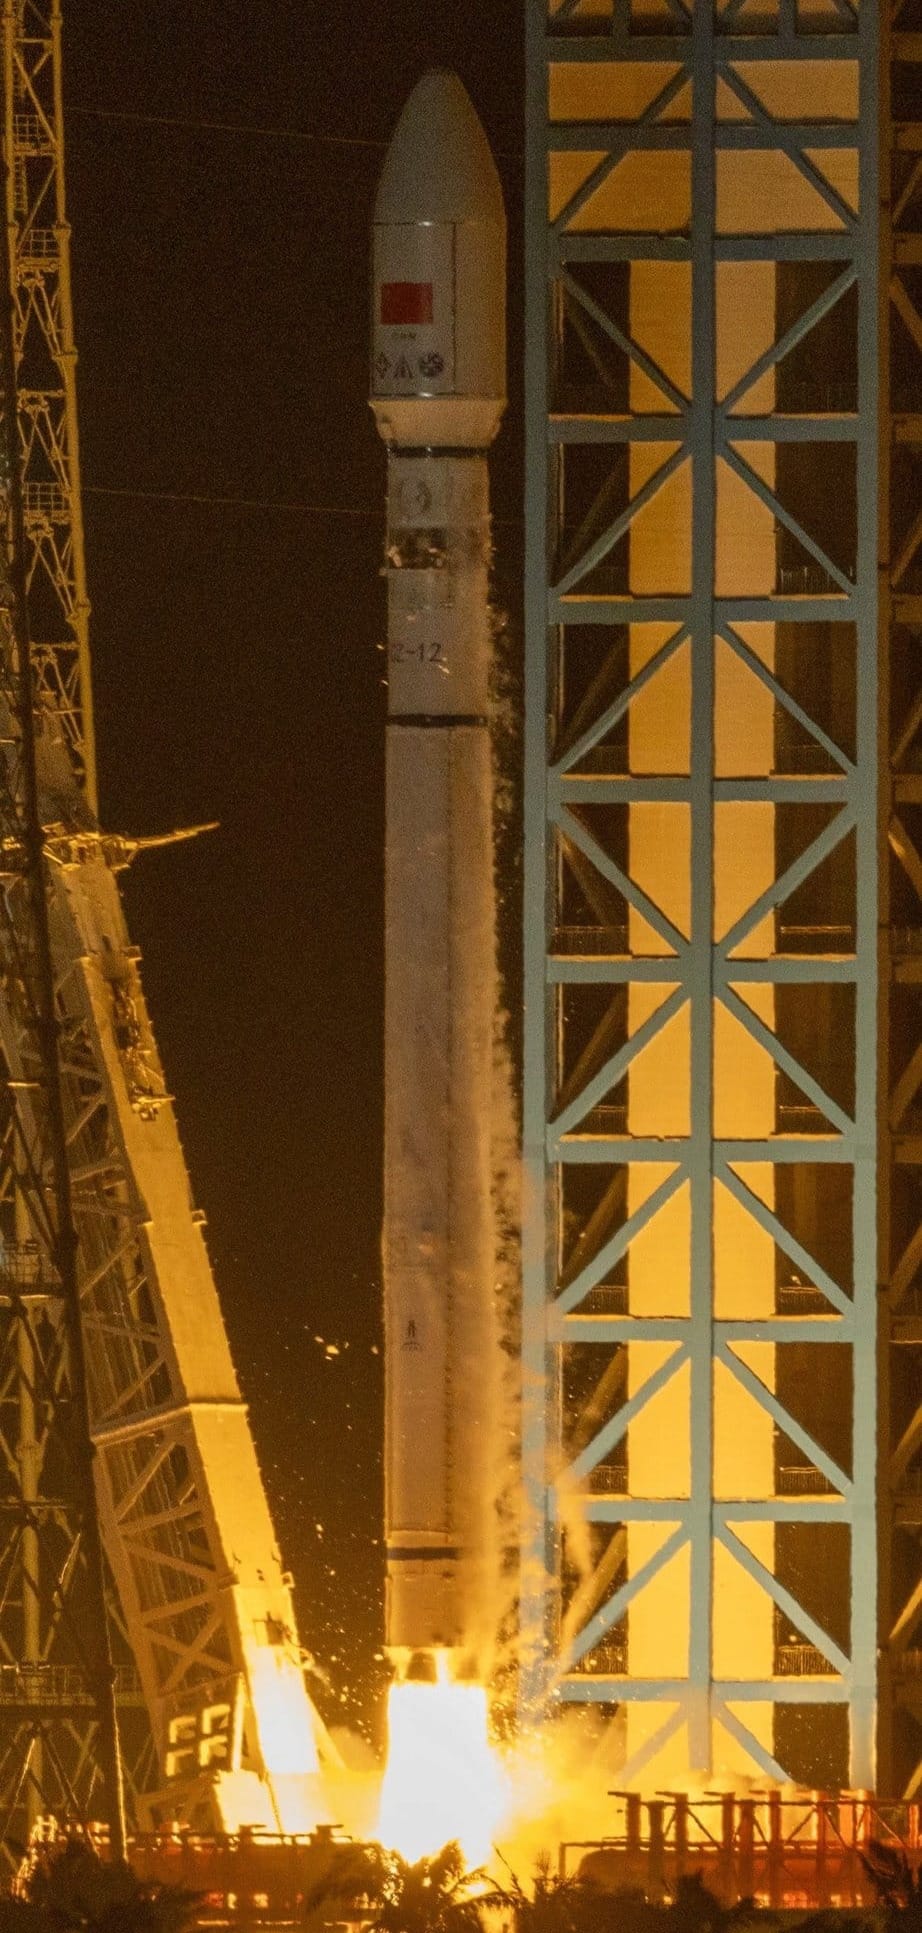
[{"x": 438, "y": 385}]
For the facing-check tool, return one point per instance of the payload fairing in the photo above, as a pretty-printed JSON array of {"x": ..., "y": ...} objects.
[{"x": 438, "y": 393}]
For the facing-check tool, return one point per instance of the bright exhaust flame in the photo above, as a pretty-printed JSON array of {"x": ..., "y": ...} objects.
[
  {"x": 283, "y": 1712},
  {"x": 287, "y": 1797},
  {"x": 443, "y": 1779}
]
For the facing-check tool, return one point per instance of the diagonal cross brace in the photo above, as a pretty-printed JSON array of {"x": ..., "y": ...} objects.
[
  {"x": 616, "y": 710},
  {"x": 811, "y": 174},
  {"x": 907, "y": 311},
  {"x": 610, "y": 870},
  {"x": 774, "y": 1589},
  {"x": 586, "y": 190},
  {"x": 633, "y": 350},
  {"x": 617, "y": 1065},
  {"x": 768, "y": 1766},
  {"x": 764, "y": 1037},
  {"x": 794, "y": 875},
  {"x": 906, "y": 1088},
  {"x": 788, "y": 1243},
  {"x": 791, "y": 338},
  {"x": 754, "y": 482},
  {"x": 619, "y": 1424},
  {"x": 611, "y": 1612},
  {"x": 907, "y": 853},
  {"x": 622, "y": 523},
  {"x": 611, "y": 1252},
  {"x": 652, "y": 1746},
  {"x": 753, "y": 663},
  {"x": 616, "y": 152},
  {"x": 768, "y": 1401}
]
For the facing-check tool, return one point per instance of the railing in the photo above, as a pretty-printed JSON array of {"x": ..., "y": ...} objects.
[
  {"x": 816, "y": 939},
  {"x": 604, "y": 1660},
  {"x": 802, "y": 1118},
  {"x": 808, "y": 580},
  {"x": 247, "y": 1878},
  {"x": 804, "y": 755},
  {"x": 30, "y": 131},
  {"x": 906, "y": 939},
  {"x": 802, "y": 1480},
  {"x": 608, "y": 1119},
  {"x": 591, "y": 941},
  {"x": 23, "y": 1269},
  {"x": 604, "y": 761},
  {"x": 799, "y": 1298},
  {"x": 606, "y": 1299},
  {"x": 782, "y": 1853},
  {"x": 40, "y": 1686},
  {"x": 45, "y": 500},
  {"x": 819, "y": 399},
  {"x": 608, "y": 1480},
  {"x": 801, "y": 1661},
  {"x": 39, "y": 245}
]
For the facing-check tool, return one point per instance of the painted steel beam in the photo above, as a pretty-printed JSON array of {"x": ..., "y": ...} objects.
[{"x": 602, "y": 130}]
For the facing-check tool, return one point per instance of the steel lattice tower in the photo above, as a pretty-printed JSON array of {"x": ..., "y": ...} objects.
[
  {"x": 110, "y": 1328},
  {"x": 722, "y": 1253},
  {"x": 39, "y": 238}
]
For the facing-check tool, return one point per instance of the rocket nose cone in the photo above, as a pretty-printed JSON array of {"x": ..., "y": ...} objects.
[{"x": 439, "y": 167}]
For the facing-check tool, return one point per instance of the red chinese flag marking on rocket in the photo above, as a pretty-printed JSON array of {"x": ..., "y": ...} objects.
[{"x": 406, "y": 302}]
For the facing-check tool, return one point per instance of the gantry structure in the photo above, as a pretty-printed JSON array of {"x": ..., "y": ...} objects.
[
  {"x": 722, "y": 1311},
  {"x": 141, "y": 1587},
  {"x": 38, "y": 236}
]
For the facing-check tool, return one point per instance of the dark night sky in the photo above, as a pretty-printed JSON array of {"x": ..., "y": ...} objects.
[{"x": 220, "y": 283}]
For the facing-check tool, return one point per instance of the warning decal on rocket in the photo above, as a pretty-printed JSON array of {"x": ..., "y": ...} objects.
[
  {"x": 406, "y": 302},
  {"x": 413, "y": 309}
]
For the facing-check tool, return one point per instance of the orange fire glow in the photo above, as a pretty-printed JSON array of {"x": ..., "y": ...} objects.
[{"x": 444, "y": 1779}]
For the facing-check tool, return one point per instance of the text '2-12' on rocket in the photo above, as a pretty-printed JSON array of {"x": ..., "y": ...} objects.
[{"x": 438, "y": 393}]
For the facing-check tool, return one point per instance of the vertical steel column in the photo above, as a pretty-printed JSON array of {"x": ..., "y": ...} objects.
[
  {"x": 864, "y": 1637},
  {"x": 700, "y": 981},
  {"x": 540, "y": 1209},
  {"x": 900, "y": 827}
]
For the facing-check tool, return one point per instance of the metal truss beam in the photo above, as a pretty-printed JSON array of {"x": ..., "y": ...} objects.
[
  {"x": 126, "y": 1460},
  {"x": 59, "y": 1735},
  {"x": 38, "y": 239},
  {"x": 688, "y": 166}
]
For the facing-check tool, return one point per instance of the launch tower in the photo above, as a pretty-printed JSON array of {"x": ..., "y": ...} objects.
[
  {"x": 121, "y": 1421},
  {"x": 722, "y": 1238}
]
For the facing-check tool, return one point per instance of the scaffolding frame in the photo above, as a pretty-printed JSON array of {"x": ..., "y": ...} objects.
[
  {"x": 702, "y": 45},
  {"x": 38, "y": 241},
  {"x": 114, "y": 1360}
]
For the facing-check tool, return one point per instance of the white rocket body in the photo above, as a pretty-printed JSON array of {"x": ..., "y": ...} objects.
[{"x": 438, "y": 381}]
